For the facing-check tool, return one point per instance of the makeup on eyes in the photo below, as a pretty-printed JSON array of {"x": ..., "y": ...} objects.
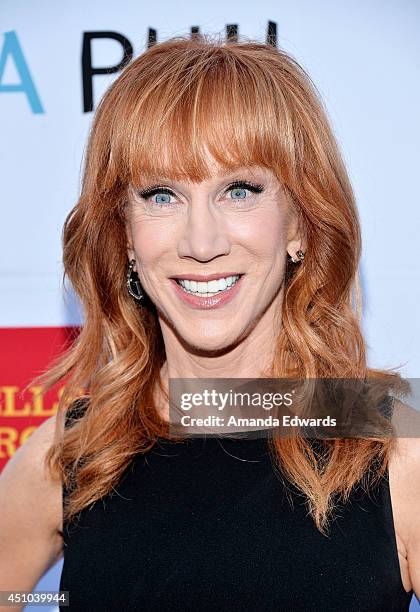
[{"x": 155, "y": 189}]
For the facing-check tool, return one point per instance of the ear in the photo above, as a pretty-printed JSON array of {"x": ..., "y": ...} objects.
[
  {"x": 131, "y": 254},
  {"x": 296, "y": 235}
]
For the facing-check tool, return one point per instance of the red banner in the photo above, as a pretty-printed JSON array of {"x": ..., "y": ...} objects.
[{"x": 25, "y": 353}]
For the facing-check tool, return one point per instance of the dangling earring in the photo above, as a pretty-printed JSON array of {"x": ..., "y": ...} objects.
[
  {"x": 133, "y": 283},
  {"x": 300, "y": 257}
]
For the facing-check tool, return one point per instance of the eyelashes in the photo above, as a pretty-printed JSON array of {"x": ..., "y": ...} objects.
[
  {"x": 151, "y": 191},
  {"x": 158, "y": 189},
  {"x": 254, "y": 187}
]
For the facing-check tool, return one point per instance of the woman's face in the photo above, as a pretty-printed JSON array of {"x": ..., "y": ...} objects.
[{"x": 236, "y": 227}]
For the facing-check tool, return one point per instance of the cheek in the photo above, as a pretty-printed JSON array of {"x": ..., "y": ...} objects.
[
  {"x": 151, "y": 241},
  {"x": 265, "y": 235}
]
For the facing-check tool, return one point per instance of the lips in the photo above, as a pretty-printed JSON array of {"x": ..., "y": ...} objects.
[
  {"x": 210, "y": 302},
  {"x": 206, "y": 277}
]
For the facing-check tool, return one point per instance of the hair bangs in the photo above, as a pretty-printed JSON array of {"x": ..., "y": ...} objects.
[{"x": 192, "y": 124}]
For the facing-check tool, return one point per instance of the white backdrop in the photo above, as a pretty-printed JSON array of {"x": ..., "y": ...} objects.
[{"x": 363, "y": 56}]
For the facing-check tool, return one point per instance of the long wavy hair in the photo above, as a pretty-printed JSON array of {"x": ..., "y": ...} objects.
[{"x": 245, "y": 103}]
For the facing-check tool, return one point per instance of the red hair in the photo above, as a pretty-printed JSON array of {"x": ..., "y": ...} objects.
[{"x": 245, "y": 103}]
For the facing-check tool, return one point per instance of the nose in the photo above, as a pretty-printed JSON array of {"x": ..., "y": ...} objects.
[{"x": 204, "y": 234}]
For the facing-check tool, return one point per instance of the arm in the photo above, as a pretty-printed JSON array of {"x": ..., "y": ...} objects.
[
  {"x": 410, "y": 451},
  {"x": 30, "y": 514},
  {"x": 405, "y": 476}
]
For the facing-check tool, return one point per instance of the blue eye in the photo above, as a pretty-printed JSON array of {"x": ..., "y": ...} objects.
[
  {"x": 238, "y": 189},
  {"x": 163, "y": 195},
  {"x": 161, "y": 198},
  {"x": 238, "y": 193}
]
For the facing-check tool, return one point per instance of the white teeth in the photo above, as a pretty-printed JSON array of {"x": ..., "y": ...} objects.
[
  {"x": 207, "y": 289},
  {"x": 213, "y": 286}
]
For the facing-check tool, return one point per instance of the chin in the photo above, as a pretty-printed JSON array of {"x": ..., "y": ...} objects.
[
  {"x": 205, "y": 336},
  {"x": 209, "y": 343}
]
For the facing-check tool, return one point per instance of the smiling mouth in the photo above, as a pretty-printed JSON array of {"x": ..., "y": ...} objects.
[{"x": 208, "y": 288}]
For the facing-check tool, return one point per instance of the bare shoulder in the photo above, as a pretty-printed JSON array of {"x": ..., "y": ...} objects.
[
  {"x": 404, "y": 473},
  {"x": 27, "y": 470},
  {"x": 406, "y": 421},
  {"x": 405, "y": 460},
  {"x": 30, "y": 512}
]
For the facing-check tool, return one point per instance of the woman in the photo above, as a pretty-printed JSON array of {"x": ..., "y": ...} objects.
[{"x": 211, "y": 162}]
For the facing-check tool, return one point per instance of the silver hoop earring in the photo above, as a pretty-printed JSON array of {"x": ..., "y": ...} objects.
[
  {"x": 133, "y": 283},
  {"x": 300, "y": 257}
]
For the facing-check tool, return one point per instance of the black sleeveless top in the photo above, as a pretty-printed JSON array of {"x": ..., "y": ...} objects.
[{"x": 206, "y": 525}]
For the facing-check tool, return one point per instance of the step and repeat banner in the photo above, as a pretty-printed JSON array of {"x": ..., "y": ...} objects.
[{"x": 56, "y": 61}]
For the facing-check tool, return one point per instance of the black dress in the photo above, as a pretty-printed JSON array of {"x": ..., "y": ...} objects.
[{"x": 206, "y": 525}]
